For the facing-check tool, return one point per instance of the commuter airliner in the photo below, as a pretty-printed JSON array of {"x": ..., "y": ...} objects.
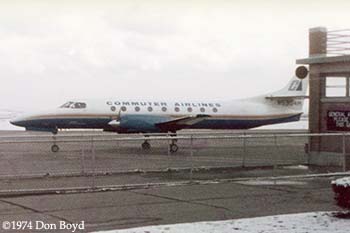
[{"x": 139, "y": 116}]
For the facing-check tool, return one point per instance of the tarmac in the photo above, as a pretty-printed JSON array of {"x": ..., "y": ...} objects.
[{"x": 167, "y": 204}]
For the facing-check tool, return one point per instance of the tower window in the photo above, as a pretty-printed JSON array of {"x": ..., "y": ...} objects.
[{"x": 337, "y": 87}]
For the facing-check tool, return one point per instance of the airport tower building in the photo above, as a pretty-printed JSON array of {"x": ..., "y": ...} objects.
[{"x": 329, "y": 96}]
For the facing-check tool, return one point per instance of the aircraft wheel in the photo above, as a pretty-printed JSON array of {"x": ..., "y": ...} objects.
[
  {"x": 173, "y": 148},
  {"x": 55, "y": 148},
  {"x": 146, "y": 146}
]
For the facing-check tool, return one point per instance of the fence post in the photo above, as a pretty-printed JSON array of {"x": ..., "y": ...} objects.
[
  {"x": 274, "y": 160},
  {"x": 82, "y": 161},
  {"x": 167, "y": 134},
  {"x": 309, "y": 150},
  {"x": 191, "y": 154},
  {"x": 244, "y": 149},
  {"x": 344, "y": 153},
  {"x": 93, "y": 161}
]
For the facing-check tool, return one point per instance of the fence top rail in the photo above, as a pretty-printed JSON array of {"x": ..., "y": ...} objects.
[{"x": 169, "y": 137}]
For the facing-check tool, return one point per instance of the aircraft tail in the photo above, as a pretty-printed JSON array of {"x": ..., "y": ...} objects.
[{"x": 291, "y": 96}]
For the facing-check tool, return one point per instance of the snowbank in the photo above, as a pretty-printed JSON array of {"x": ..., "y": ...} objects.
[
  {"x": 320, "y": 222},
  {"x": 341, "y": 188},
  {"x": 345, "y": 182}
]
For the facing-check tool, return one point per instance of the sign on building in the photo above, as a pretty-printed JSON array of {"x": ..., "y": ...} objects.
[{"x": 338, "y": 120}]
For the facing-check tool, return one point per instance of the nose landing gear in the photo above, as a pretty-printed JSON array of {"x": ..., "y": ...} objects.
[{"x": 146, "y": 145}]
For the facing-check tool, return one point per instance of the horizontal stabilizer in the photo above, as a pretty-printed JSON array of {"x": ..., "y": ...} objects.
[{"x": 287, "y": 97}]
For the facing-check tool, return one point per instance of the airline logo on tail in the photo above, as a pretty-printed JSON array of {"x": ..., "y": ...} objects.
[{"x": 296, "y": 85}]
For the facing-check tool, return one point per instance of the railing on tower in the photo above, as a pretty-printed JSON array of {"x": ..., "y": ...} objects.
[{"x": 338, "y": 42}]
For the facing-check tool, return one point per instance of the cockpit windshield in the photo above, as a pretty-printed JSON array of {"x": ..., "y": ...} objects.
[{"x": 71, "y": 104}]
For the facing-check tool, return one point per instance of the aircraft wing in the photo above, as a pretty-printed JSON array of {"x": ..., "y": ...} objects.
[{"x": 180, "y": 123}]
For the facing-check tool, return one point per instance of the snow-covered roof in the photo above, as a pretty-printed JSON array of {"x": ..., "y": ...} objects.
[{"x": 345, "y": 181}]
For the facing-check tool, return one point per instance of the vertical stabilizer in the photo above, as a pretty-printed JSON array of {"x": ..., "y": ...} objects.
[
  {"x": 291, "y": 96},
  {"x": 295, "y": 88}
]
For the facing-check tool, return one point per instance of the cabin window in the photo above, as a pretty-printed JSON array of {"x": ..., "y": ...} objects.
[
  {"x": 189, "y": 109},
  {"x": 164, "y": 109},
  {"x": 202, "y": 109},
  {"x": 79, "y": 105},
  {"x": 113, "y": 108},
  {"x": 123, "y": 108},
  {"x": 215, "y": 110},
  {"x": 177, "y": 109},
  {"x": 150, "y": 109},
  {"x": 137, "y": 109}
]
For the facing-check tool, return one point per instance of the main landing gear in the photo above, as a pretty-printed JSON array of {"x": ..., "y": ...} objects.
[
  {"x": 173, "y": 148},
  {"x": 146, "y": 145},
  {"x": 54, "y": 148}
]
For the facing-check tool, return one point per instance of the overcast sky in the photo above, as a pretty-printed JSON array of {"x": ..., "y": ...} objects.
[{"x": 52, "y": 51}]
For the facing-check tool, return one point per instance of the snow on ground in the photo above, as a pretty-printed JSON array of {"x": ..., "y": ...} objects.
[
  {"x": 342, "y": 182},
  {"x": 320, "y": 222},
  {"x": 271, "y": 182},
  {"x": 297, "y": 167}
]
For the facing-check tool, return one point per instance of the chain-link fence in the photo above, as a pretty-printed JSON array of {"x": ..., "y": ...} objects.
[{"x": 95, "y": 159}]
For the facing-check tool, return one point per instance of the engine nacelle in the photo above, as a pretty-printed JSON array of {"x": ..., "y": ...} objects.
[
  {"x": 114, "y": 123},
  {"x": 137, "y": 124}
]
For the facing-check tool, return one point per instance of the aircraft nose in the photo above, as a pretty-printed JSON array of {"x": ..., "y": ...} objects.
[
  {"x": 16, "y": 122},
  {"x": 19, "y": 121}
]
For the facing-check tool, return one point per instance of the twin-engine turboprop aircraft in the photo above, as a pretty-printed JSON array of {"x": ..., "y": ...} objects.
[{"x": 139, "y": 116}]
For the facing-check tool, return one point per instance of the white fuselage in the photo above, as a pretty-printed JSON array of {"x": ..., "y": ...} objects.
[{"x": 138, "y": 115}]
